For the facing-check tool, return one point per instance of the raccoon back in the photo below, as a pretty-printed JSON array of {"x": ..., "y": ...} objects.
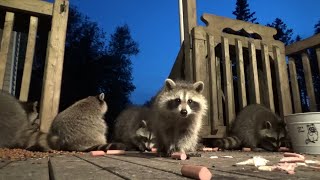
[
  {"x": 81, "y": 125},
  {"x": 250, "y": 128}
]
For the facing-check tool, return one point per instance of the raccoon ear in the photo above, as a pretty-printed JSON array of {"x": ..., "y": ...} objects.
[
  {"x": 268, "y": 125},
  {"x": 35, "y": 105},
  {"x": 143, "y": 124},
  {"x": 198, "y": 86},
  {"x": 170, "y": 84},
  {"x": 101, "y": 97}
]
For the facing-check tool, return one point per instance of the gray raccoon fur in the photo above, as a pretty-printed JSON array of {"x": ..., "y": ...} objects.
[
  {"x": 178, "y": 111},
  {"x": 133, "y": 129},
  {"x": 255, "y": 127},
  {"x": 16, "y": 130},
  {"x": 81, "y": 126}
]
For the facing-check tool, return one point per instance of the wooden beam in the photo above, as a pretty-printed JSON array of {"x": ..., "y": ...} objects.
[
  {"x": 267, "y": 77},
  {"x": 27, "y": 70},
  {"x": 303, "y": 44},
  {"x": 54, "y": 65},
  {"x": 30, "y": 6},
  {"x": 190, "y": 21},
  {"x": 5, "y": 43},
  {"x": 201, "y": 72},
  {"x": 228, "y": 83},
  {"x": 241, "y": 77},
  {"x": 309, "y": 83},
  {"x": 318, "y": 57},
  {"x": 221, "y": 97},
  {"x": 294, "y": 86},
  {"x": 283, "y": 88},
  {"x": 254, "y": 81},
  {"x": 214, "y": 111}
]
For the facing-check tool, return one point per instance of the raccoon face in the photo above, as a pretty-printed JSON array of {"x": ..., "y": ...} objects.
[
  {"x": 146, "y": 136},
  {"x": 181, "y": 99},
  {"x": 272, "y": 137}
]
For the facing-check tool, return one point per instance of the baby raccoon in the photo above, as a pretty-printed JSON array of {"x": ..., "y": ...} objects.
[
  {"x": 132, "y": 129},
  {"x": 255, "y": 126},
  {"x": 81, "y": 126},
  {"x": 16, "y": 130},
  {"x": 178, "y": 111}
]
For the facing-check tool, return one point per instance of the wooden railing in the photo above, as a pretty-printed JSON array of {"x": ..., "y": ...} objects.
[
  {"x": 305, "y": 53},
  {"x": 57, "y": 13},
  {"x": 240, "y": 64}
]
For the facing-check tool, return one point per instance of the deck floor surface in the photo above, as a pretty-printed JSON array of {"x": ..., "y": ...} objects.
[{"x": 135, "y": 165}]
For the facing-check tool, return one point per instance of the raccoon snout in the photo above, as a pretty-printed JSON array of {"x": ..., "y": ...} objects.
[{"x": 184, "y": 112}]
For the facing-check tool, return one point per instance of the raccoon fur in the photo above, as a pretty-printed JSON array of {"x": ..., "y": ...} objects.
[
  {"x": 16, "y": 130},
  {"x": 81, "y": 126},
  {"x": 255, "y": 127},
  {"x": 178, "y": 111},
  {"x": 133, "y": 129}
]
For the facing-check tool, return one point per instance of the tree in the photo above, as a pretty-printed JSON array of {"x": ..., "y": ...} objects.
[
  {"x": 284, "y": 34},
  {"x": 242, "y": 12},
  {"x": 317, "y": 28},
  {"x": 120, "y": 48}
]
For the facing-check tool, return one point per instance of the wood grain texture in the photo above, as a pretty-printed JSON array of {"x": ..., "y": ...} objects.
[
  {"x": 27, "y": 70},
  {"x": 50, "y": 96},
  {"x": 28, "y": 6}
]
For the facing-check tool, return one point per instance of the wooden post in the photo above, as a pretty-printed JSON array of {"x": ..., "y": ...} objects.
[
  {"x": 201, "y": 71},
  {"x": 254, "y": 81},
  {"x": 282, "y": 82},
  {"x": 5, "y": 42},
  {"x": 267, "y": 76},
  {"x": 228, "y": 83},
  {"x": 213, "y": 95},
  {"x": 241, "y": 77},
  {"x": 54, "y": 64},
  {"x": 294, "y": 86},
  {"x": 318, "y": 57},
  {"x": 309, "y": 84},
  {"x": 190, "y": 21},
  {"x": 27, "y": 70}
]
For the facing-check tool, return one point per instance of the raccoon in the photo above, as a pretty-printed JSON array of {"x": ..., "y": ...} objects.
[
  {"x": 81, "y": 126},
  {"x": 133, "y": 129},
  {"x": 32, "y": 113},
  {"x": 16, "y": 130},
  {"x": 255, "y": 127},
  {"x": 178, "y": 111}
]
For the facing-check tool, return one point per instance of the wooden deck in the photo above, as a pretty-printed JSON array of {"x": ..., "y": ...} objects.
[{"x": 135, "y": 165}]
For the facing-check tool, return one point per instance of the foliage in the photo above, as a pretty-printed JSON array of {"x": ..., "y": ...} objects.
[
  {"x": 92, "y": 64},
  {"x": 284, "y": 33},
  {"x": 317, "y": 28},
  {"x": 242, "y": 12}
]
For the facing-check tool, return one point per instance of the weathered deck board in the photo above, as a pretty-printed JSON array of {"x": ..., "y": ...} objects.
[
  {"x": 32, "y": 169},
  {"x": 131, "y": 169},
  {"x": 135, "y": 165},
  {"x": 65, "y": 168}
]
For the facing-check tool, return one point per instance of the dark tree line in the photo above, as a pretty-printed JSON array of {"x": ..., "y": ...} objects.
[{"x": 92, "y": 64}]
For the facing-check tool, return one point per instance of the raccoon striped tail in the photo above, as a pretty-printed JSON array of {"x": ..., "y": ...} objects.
[
  {"x": 108, "y": 146},
  {"x": 231, "y": 142}
]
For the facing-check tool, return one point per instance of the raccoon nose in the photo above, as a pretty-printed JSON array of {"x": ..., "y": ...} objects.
[{"x": 183, "y": 112}]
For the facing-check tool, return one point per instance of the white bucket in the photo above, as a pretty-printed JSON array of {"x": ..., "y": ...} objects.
[{"x": 304, "y": 131}]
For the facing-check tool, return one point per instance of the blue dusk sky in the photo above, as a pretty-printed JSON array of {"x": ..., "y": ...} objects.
[{"x": 155, "y": 26}]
